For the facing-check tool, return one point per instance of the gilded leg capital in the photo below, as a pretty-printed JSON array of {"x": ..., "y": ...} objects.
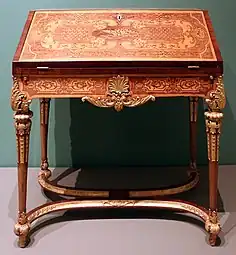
[
  {"x": 216, "y": 99},
  {"x": 19, "y": 99}
]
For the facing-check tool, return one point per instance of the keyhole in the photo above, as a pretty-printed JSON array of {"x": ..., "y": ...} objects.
[{"x": 119, "y": 17}]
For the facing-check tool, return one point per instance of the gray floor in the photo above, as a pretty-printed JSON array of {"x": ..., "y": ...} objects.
[{"x": 118, "y": 232}]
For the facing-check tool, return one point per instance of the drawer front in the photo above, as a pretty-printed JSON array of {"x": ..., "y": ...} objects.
[{"x": 54, "y": 87}]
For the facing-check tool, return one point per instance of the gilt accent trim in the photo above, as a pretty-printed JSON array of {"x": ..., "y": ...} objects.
[
  {"x": 118, "y": 95},
  {"x": 216, "y": 99},
  {"x": 19, "y": 99}
]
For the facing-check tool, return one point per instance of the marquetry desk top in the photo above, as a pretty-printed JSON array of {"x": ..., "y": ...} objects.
[
  {"x": 87, "y": 53},
  {"x": 117, "y": 35}
]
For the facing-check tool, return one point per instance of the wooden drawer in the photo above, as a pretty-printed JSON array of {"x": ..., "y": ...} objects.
[{"x": 54, "y": 87}]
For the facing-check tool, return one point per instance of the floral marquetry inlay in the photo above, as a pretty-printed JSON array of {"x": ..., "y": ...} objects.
[
  {"x": 57, "y": 87},
  {"x": 174, "y": 85},
  {"x": 118, "y": 86},
  {"x": 129, "y": 34}
]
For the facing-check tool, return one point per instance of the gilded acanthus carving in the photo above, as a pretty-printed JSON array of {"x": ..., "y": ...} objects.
[
  {"x": 23, "y": 127},
  {"x": 19, "y": 100},
  {"x": 118, "y": 95},
  {"x": 213, "y": 130},
  {"x": 216, "y": 99}
]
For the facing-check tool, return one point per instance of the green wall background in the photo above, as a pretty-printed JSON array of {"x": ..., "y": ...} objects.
[{"x": 80, "y": 134}]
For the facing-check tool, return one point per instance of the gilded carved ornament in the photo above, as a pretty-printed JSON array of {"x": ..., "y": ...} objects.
[
  {"x": 211, "y": 220},
  {"x": 212, "y": 226},
  {"x": 20, "y": 104},
  {"x": 118, "y": 95},
  {"x": 22, "y": 230},
  {"x": 19, "y": 99},
  {"x": 216, "y": 101}
]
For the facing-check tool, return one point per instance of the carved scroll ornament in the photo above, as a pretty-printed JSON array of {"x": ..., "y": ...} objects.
[
  {"x": 118, "y": 95},
  {"x": 216, "y": 102},
  {"x": 216, "y": 99},
  {"x": 19, "y": 100}
]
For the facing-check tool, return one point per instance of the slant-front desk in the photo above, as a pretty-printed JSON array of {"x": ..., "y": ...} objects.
[{"x": 119, "y": 59}]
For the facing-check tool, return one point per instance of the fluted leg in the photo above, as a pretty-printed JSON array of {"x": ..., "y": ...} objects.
[
  {"x": 214, "y": 116},
  {"x": 193, "y": 104},
  {"x": 213, "y": 126},
  {"x": 20, "y": 105},
  {"x": 44, "y": 119},
  {"x": 23, "y": 127}
]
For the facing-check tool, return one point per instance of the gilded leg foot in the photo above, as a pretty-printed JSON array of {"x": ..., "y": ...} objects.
[
  {"x": 22, "y": 231},
  {"x": 212, "y": 226}
]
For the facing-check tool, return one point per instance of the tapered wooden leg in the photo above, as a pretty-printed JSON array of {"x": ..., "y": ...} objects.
[
  {"x": 214, "y": 116},
  {"x": 193, "y": 105},
  {"x": 23, "y": 127},
  {"x": 213, "y": 127},
  {"x": 44, "y": 119}
]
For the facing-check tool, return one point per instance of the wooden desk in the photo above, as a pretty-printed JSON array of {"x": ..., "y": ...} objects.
[{"x": 119, "y": 59}]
